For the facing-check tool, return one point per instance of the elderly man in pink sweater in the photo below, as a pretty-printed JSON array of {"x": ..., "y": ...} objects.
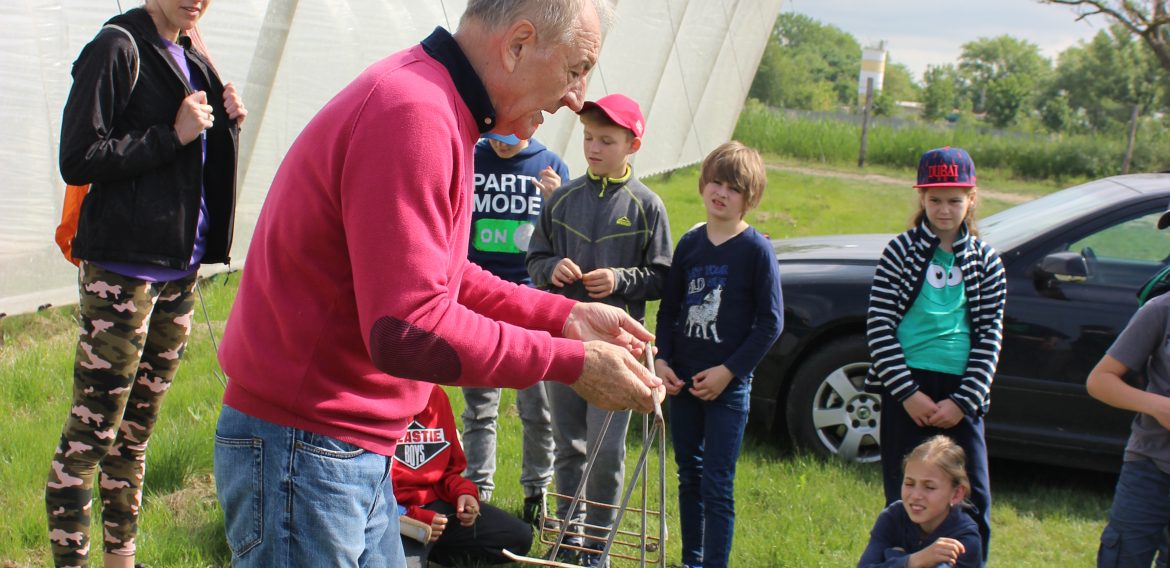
[{"x": 358, "y": 295}]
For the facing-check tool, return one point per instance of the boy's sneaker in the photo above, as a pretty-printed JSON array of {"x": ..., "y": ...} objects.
[
  {"x": 593, "y": 559},
  {"x": 567, "y": 556},
  {"x": 532, "y": 508}
]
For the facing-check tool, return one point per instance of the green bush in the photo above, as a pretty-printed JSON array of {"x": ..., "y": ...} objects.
[{"x": 1037, "y": 156}]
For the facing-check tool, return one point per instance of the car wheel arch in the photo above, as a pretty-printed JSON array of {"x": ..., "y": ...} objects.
[{"x": 826, "y": 409}]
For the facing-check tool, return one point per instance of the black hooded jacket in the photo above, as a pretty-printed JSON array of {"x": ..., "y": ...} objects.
[{"x": 119, "y": 136}]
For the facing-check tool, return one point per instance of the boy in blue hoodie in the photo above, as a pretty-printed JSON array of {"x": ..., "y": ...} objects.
[{"x": 513, "y": 177}]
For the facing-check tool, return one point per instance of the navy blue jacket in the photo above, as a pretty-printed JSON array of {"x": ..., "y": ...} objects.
[{"x": 895, "y": 537}]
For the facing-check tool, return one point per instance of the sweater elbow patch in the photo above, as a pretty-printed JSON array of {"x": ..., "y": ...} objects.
[{"x": 403, "y": 350}]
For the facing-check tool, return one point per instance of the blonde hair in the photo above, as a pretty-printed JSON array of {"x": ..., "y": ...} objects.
[
  {"x": 968, "y": 221},
  {"x": 740, "y": 167},
  {"x": 553, "y": 19},
  {"x": 943, "y": 453}
]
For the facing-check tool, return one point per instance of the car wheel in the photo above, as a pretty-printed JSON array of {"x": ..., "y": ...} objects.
[{"x": 827, "y": 409}]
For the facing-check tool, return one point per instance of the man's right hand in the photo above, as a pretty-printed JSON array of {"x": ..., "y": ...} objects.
[
  {"x": 614, "y": 380},
  {"x": 592, "y": 320}
]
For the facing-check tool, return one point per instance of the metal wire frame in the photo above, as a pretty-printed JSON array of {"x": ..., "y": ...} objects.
[{"x": 641, "y": 542}]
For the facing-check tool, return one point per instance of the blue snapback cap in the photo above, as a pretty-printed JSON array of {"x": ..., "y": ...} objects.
[{"x": 946, "y": 167}]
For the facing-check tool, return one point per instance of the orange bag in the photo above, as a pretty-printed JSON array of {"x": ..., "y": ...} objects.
[
  {"x": 70, "y": 213},
  {"x": 75, "y": 194}
]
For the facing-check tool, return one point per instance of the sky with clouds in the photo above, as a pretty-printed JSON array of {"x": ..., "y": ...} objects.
[{"x": 931, "y": 32}]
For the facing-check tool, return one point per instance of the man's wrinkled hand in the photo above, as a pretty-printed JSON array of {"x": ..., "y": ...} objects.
[
  {"x": 590, "y": 321},
  {"x": 614, "y": 380}
]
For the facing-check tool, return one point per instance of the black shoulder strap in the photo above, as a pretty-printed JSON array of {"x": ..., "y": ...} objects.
[{"x": 133, "y": 44}]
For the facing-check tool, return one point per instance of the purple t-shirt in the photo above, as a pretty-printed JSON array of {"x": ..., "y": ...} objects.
[{"x": 154, "y": 272}]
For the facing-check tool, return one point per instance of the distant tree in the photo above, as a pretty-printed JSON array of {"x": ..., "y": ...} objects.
[
  {"x": 1114, "y": 81},
  {"x": 1147, "y": 19},
  {"x": 1006, "y": 99},
  {"x": 940, "y": 91},
  {"x": 899, "y": 83},
  {"x": 999, "y": 75},
  {"x": 827, "y": 52},
  {"x": 807, "y": 65},
  {"x": 766, "y": 86},
  {"x": 1055, "y": 112},
  {"x": 1106, "y": 78}
]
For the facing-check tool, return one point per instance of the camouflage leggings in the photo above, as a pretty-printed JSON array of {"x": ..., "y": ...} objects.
[{"x": 132, "y": 336}]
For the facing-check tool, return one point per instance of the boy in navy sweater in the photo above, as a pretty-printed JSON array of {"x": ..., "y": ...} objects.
[{"x": 721, "y": 311}]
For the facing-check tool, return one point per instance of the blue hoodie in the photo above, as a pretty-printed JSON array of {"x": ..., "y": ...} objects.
[{"x": 507, "y": 207}]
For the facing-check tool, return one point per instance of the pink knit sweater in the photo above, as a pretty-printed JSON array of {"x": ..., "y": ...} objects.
[{"x": 357, "y": 288}]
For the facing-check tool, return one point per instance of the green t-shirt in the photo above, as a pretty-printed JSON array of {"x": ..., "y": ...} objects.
[{"x": 935, "y": 334}]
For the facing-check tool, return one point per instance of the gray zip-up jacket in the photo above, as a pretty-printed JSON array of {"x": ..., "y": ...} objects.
[{"x": 604, "y": 223}]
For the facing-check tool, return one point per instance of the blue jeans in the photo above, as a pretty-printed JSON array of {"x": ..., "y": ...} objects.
[
  {"x": 1138, "y": 518},
  {"x": 295, "y": 498},
  {"x": 706, "y": 472}
]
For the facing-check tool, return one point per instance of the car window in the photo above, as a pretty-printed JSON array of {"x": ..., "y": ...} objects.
[
  {"x": 1138, "y": 239},
  {"x": 1125, "y": 254}
]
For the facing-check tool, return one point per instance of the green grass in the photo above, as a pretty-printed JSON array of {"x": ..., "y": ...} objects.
[
  {"x": 799, "y": 204},
  {"x": 792, "y": 509},
  {"x": 1025, "y": 155}
]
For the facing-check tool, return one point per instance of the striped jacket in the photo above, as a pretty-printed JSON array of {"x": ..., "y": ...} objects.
[{"x": 896, "y": 283}]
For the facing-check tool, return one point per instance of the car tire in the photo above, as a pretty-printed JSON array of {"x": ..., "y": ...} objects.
[{"x": 828, "y": 411}]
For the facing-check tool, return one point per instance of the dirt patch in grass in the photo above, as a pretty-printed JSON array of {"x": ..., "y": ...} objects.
[
  {"x": 188, "y": 503},
  {"x": 1008, "y": 197},
  {"x": 761, "y": 216},
  {"x": 26, "y": 329}
]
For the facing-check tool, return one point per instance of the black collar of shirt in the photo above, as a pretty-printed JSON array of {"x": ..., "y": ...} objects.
[{"x": 441, "y": 45}]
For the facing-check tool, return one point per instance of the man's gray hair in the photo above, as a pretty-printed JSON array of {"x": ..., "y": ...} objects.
[{"x": 554, "y": 19}]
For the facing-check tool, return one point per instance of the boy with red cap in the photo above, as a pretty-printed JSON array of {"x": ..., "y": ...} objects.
[{"x": 602, "y": 237}]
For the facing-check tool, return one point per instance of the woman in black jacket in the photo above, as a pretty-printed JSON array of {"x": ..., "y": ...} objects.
[{"x": 150, "y": 126}]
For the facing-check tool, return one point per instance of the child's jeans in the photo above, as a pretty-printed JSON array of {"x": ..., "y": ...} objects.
[
  {"x": 1138, "y": 518},
  {"x": 706, "y": 471}
]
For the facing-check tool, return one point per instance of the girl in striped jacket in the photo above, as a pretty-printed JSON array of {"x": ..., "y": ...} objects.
[{"x": 935, "y": 326}]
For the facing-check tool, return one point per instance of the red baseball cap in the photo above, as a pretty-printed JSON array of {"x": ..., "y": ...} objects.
[{"x": 622, "y": 110}]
